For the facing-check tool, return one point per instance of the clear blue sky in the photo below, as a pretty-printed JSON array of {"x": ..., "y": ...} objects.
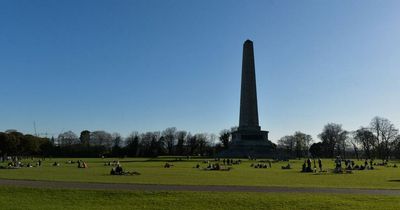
[{"x": 122, "y": 66}]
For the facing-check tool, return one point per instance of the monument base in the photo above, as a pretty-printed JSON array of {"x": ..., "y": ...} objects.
[{"x": 247, "y": 143}]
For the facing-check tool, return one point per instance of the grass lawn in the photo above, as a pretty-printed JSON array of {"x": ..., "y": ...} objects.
[
  {"x": 27, "y": 198},
  {"x": 184, "y": 173}
]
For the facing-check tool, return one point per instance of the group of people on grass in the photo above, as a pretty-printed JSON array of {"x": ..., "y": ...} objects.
[
  {"x": 16, "y": 163},
  {"x": 118, "y": 170},
  {"x": 262, "y": 165},
  {"x": 341, "y": 165},
  {"x": 231, "y": 162},
  {"x": 350, "y": 165},
  {"x": 112, "y": 163},
  {"x": 306, "y": 167}
]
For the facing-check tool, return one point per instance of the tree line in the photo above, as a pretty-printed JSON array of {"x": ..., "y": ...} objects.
[
  {"x": 379, "y": 140},
  {"x": 101, "y": 143}
]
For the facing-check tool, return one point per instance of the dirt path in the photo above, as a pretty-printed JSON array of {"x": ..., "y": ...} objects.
[{"x": 149, "y": 187}]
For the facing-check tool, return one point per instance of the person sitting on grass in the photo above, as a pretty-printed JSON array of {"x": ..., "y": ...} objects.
[
  {"x": 112, "y": 172},
  {"x": 349, "y": 167},
  {"x": 338, "y": 167},
  {"x": 56, "y": 164},
  {"x": 309, "y": 165},
  {"x": 216, "y": 166},
  {"x": 286, "y": 167},
  {"x": 167, "y": 165},
  {"x": 303, "y": 169},
  {"x": 82, "y": 164},
  {"x": 209, "y": 166},
  {"x": 119, "y": 169}
]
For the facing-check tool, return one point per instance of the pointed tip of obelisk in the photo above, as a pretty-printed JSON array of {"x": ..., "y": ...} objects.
[{"x": 248, "y": 41}]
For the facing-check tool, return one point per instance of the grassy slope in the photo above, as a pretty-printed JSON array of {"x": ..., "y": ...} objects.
[
  {"x": 26, "y": 198},
  {"x": 183, "y": 173}
]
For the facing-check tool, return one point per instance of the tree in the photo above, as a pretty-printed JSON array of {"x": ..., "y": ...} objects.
[
  {"x": 152, "y": 144},
  {"x": 366, "y": 139},
  {"x": 101, "y": 138},
  {"x": 85, "y": 138},
  {"x": 224, "y": 137},
  {"x": 354, "y": 143},
  {"x": 385, "y": 134},
  {"x": 396, "y": 145},
  {"x": 202, "y": 143},
  {"x": 180, "y": 146},
  {"x": 29, "y": 145},
  {"x": 333, "y": 138},
  {"x": 170, "y": 139},
  {"x": 296, "y": 144},
  {"x": 303, "y": 142},
  {"x": 316, "y": 150},
  {"x": 288, "y": 143},
  {"x": 116, "y": 140},
  {"x": 132, "y": 144},
  {"x": 8, "y": 144},
  {"x": 192, "y": 143},
  {"x": 16, "y": 143},
  {"x": 117, "y": 143},
  {"x": 341, "y": 144},
  {"x": 68, "y": 138}
]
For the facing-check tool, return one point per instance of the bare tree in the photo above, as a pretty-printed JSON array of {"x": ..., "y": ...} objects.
[
  {"x": 303, "y": 142},
  {"x": 117, "y": 139},
  {"x": 396, "y": 147},
  {"x": 169, "y": 135},
  {"x": 192, "y": 143},
  {"x": 351, "y": 141},
  {"x": 151, "y": 143},
  {"x": 288, "y": 143},
  {"x": 366, "y": 139},
  {"x": 296, "y": 144},
  {"x": 385, "y": 134},
  {"x": 68, "y": 138},
  {"x": 101, "y": 138},
  {"x": 333, "y": 138},
  {"x": 180, "y": 146},
  {"x": 202, "y": 143},
  {"x": 132, "y": 144}
]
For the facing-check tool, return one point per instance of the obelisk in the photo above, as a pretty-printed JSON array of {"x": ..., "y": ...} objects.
[
  {"x": 248, "y": 119},
  {"x": 249, "y": 140}
]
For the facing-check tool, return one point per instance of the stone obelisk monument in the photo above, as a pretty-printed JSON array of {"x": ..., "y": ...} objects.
[
  {"x": 249, "y": 139},
  {"x": 248, "y": 119}
]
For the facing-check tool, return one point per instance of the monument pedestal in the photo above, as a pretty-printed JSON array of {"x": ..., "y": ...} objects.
[{"x": 247, "y": 143}]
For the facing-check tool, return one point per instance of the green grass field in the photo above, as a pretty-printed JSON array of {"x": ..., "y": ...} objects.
[
  {"x": 184, "y": 173},
  {"x": 26, "y": 198}
]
